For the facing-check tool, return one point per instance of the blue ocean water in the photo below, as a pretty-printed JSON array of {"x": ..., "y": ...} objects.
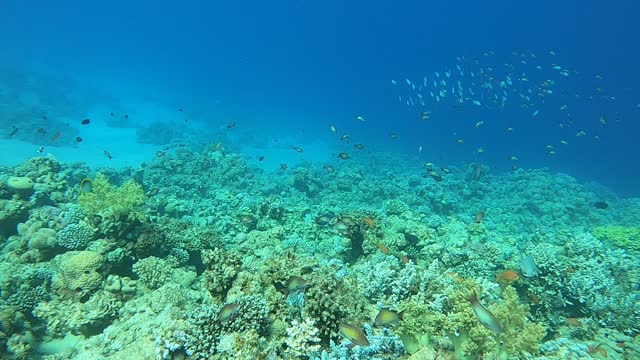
[{"x": 296, "y": 67}]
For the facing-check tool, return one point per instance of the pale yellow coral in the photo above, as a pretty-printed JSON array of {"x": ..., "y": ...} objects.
[{"x": 79, "y": 271}]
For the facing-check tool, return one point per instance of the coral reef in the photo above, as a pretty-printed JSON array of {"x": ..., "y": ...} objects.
[{"x": 202, "y": 266}]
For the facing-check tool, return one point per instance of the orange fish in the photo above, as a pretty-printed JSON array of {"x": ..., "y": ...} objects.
[
  {"x": 603, "y": 352},
  {"x": 508, "y": 276},
  {"x": 247, "y": 219},
  {"x": 534, "y": 298},
  {"x": 452, "y": 274},
  {"x": 404, "y": 259},
  {"x": 385, "y": 250}
]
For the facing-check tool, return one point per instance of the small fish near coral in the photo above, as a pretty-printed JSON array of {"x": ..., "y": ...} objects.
[
  {"x": 600, "y": 205},
  {"x": 228, "y": 312},
  {"x": 388, "y": 317},
  {"x": 354, "y": 334},
  {"x": 295, "y": 285},
  {"x": 485, "y": 317}
]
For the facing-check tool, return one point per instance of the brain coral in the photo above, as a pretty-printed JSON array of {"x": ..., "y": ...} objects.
[{"x": 79, "y": 271}]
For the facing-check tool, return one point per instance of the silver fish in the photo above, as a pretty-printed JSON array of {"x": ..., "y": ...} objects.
[{"x": 528, "y": 266}]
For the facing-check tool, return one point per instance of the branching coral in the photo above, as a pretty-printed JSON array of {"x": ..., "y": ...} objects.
[
  {"x": 330, "y": 299},
  {"x": 207, "y": 336},
  {"x": 389, "y": 281},
  {"x": 75, "y": 236},
  {"x": 153, "y": 272},
  {"x": 302, "y": 339},
  {"x": 222, "y": 268}
]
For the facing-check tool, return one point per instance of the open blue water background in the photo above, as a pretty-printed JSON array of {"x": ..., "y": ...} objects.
[{"x": 293, "y": 68}]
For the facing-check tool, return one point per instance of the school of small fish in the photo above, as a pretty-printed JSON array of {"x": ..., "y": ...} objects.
[{"x": 525, "y": 80}]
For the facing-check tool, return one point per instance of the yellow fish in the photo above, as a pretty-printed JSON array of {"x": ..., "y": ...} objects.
[
  {"x": 228, "y": 312},
  {"x": 353, "y": 334},
  {"x": 388, "y": 317}
]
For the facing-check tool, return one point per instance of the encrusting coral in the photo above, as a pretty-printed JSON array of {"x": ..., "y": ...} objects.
[{"x": 623, "y": 236}]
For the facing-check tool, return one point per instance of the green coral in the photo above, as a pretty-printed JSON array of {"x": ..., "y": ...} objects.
[
  {"x": 623, "y": 236},
  {"x": 107, "y": 200}
]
